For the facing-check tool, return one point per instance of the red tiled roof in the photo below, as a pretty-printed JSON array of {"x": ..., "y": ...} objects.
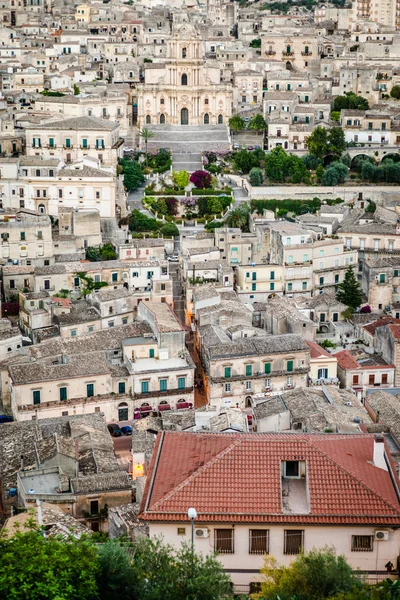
[
  {"x": 237, "y": 478},
  {"x": 395, "y": 331},
  {"x": 346, "y": 360},
  {"x": 316, "y": 350},
  {"x": 371, "y": 328}
]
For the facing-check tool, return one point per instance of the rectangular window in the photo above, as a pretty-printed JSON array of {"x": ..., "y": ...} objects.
[
  {"x": 63, "y": 393},
  {"x": 254, "y": 276},
  {"x": 181, "y": 531},
  {"x": 355, "y": 379},
  {"x": 22, "y": 235},
  {"x": 321, "y": 281},
  {"x": 151, "y": 353},
  {"x": 267, "y": 368},
  {"x": 336, "y": 278},
  {"x": 293, "y": 541},
  {"x": 84, "y": 143},
  {"x": 163, "y": 385},
  {"x": 249, "y": 370},
  {"x": 90, "y": 390},
  {"x": 395, "y": 273},
  {"x": 289, "y": 366},
  {"x": 224, "y": 541},
  {"x": 145, "y": 387},
  {"x": 259, "y": 541},
  {"x": 114, "y": 276},
  {"x": 371, "y": 379},
  {"x": 304, "y": 285},
  {"x": 73, "y": 332},
  {"x": 121, "y": 387},
  {"x": 227, "y": 372},
  {"x": 181, "y": 383},
  {"x": 382, "y": 278},
  {"x": 271, "y": 287},
  {"x": 68, "y": 143},
  {"x": 253, "y": 287},
  {"x": 227, "y": 388},
  {"x": 335, "y": 317},
  {"x": 90, "y": 329},
  {"x": 272, "y": 275},
  {"x": 94, "y": 507},
  {"x": 290, "y": 286},
  {"x": 51, "y": 142},
  {"x": 36, "y": 397},
  {"x": 362, "y": 543},
  {"x": 384, "y": 378}
]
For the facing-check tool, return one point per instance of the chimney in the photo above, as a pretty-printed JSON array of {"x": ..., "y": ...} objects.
[{"x": 379, "y": 453}]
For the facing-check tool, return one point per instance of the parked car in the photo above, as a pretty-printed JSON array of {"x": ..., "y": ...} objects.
[
  {"x": 236, "y": 146},
  {"x": 126, "y": 430},
  {"x": 5, "y": 419},
  {"x": 114, "y": 429},
  {"x": 250, "y": 148},
  {"x": 173, "y": 258}
]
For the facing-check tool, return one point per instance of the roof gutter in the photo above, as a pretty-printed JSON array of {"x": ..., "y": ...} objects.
[{"x": 153, "y": 476}]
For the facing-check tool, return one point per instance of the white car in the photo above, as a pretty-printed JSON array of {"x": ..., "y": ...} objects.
[{"x": 173, "y": 258}]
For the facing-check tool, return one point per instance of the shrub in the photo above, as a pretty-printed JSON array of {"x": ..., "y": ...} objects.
[
  {"x": 366, "y": 309},
  {"x": 335, "y": 174},
  {"x": 201, "y": 179},
  {"x": 256, "y": 176},
  {"x": 181, "y": 178},
  {"x": 169, "y": 230}
]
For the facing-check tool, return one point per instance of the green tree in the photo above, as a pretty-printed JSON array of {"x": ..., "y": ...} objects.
[
  {"x": 256, "y": 176},
  {"x": 181, "y": 179},
  {"x": 88, "y": 284},
  {"x": 256, "y": 43},
  {"x": 236, "y": 123},
  {"x": 139, "y": 222},
  {"x": 317, "y": 142},
  {"x": 244, "y": 161},
  {"x": 169, "y": 230},
  {"x": 34, "y": 567},
  {"x": 239, "y": 217},
  {"x": 335, "y": 115},
  {"x": 317, "y": 575},
  {"x": 311, "y": 161},
  {"x": 280, "y": 167},
  {"x": 257, "y": 123},
  {"x": 335, "y": 174},
  {"x": 107, "y": 252},
  {"x": 349, "y": 291},
  {"x": 336, "y": 141},
  {"x": 146, "y": 134},
  {"x": 115, "y": 578},
  {"x": 395, "y": 92},
  {"x": 77, "y": 91},
  {"x": 133, "y": 175},
  {"x": 160, "y": 572},
  {"x": 214, "y": 205},
  {"x": 350, "y": 100}
]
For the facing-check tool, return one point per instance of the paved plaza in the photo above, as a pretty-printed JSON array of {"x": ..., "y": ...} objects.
[{"x": 185, "y": 138}]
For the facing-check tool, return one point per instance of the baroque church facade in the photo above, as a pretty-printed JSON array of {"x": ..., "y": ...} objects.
[{"x": 185, "y": 89}]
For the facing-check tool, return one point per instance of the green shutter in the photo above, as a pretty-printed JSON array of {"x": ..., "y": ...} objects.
[
  {"x": 63, "y": 393},
  {"x": 267, "y": 368},
  {"x": 249, "y": 370},
  {"x": 145, "y": 387},
  {"x": 151, "y": 353},
  {"x": 289, "y": 365},
  {"x": 36, "y": 397},
  {"x": 163, "y": 385},
  {"x": 181, "y": 383},
  {"x": 121, "y": 387},
  {"x": 90, "y": 390},
  {"x": 227, "y": 373}
]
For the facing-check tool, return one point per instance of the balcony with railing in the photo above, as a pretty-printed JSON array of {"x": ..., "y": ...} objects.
[
  {"x": 49, "y": 288},
  {"x": 287, "y": 53}
]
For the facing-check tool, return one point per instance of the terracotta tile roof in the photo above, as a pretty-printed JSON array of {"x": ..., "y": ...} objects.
[
  {"x": 394, "y": 330},
  {"x": 316, "y": 350},
  {"x": 237, "y": 478},
  {"x": 371, "y": 328},
  {"x": 346, "y": 360}
]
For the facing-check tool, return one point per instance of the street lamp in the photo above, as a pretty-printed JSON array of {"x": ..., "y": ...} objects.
[{"x": 192, "y": 514}]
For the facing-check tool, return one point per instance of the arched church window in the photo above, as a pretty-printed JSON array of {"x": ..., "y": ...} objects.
[
  {"x": 184, "y": 79},
  {"x": 148, "y": 119},
  {"x": 184, "y": 52},
  {"x": 220, "y": 119}
]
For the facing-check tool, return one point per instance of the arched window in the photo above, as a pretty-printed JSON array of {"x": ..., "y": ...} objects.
[
  {"x": 184, "y": 53},
  {"x": 162, "y": 119},
  {"x": 206, "y": 101},
  {"x": 148, "y": 119},
  {"x": 220, "y": 119},
  {"x": 162, "y": 101},
  {"x": 184, "y": 79},
  {"x": 206, "y": 119},
  {"x": 42, "y": 209}
]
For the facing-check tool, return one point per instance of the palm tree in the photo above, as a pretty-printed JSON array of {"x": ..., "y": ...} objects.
[{"x": 146, "y": 134}]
